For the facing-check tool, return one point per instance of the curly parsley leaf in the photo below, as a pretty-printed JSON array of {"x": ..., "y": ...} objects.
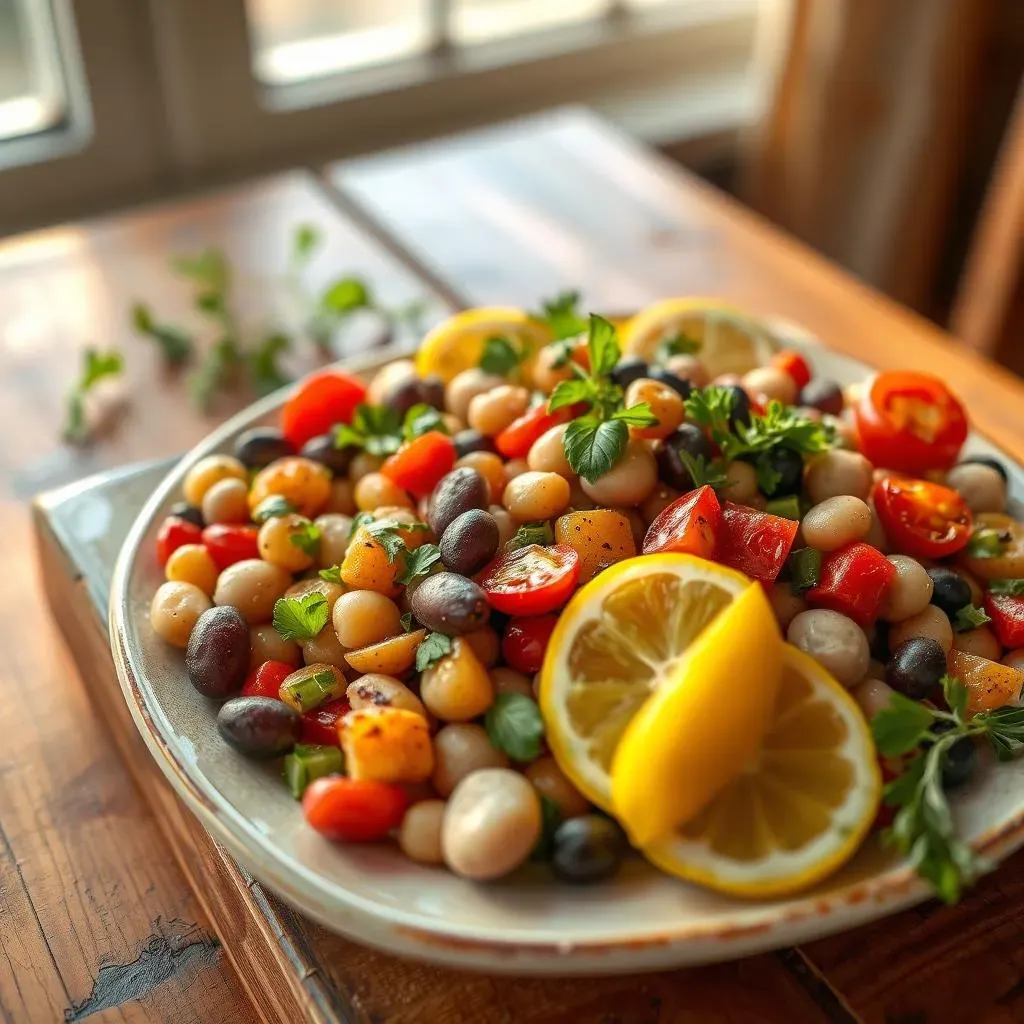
[
  {"x": 432, "y": 648},
  {"x": 711, "y": 407},
  {"x": 969, "y": 617},
  {"x": 1006, "y": 588},
  {"x": 301, "y": 618},
  {"x": 514, "y": 725},
  {"x": 593, "y": 446},
  {"x": 418, "y": 562},
  {"x": 306, "y": 537},
  {"x": 561, "y": 314},
  {"x": 500, "y": 356},
  {"x": 901, "y": 726}
]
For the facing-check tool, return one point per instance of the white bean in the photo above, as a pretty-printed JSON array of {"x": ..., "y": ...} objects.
[
  {"x": 836, "y": 522},
  {"x": 834, "y": 640}
]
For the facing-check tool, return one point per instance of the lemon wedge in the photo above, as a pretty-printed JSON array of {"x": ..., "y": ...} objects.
[
  {"x": 795, "y": 812},
  {"x": 617, "y": 642},
  {"x": 703, "y": 725}
]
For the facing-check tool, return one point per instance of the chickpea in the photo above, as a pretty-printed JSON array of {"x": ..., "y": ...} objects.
[
  {"x": 389, "y": 378},
  {"x": 491, "y": 412},
  {"x": 252, "y": 586},
  {"x": 909, "y": 592},
  {"x": 375, "y": 690},
  {"x": 546, "y": 777},
  {"x": 929, "y": 622},
  {"x": 535, "y": 496},
  {"x": 546, "y": 375},
  {"x": 490, "y": 467},
  {"x": 331, "y": 591},
  {"x": 836, "y": 522},
  {"x": 335, "y": 533},
  {"x": 982, "y": 487},
  {"x": 1015, "y": 659},
  {"x": 342, "y": 499},
  {"x": 548, "y": 454},
  {"x": 769, "y": 382},
  {"x": 375, "y": 490},
  {"x": 628, "y": 482},
  {"x": 786, "y": 605},
  {"x": 457, "y": 688},
  {"x": 192, "y": 563},
  {"x": 655, "y": 503},
  {"x": 277, "y": 542},
  {"x": 834, "y": 640},
  {"x": 485, "y": 644},
  {"x": 740, "y": 482},
  {"x": 465, "y": 386},
  {"x": 362, "y": 465},
  {"x": 325, "y": 649},
  {"x": 506, "y": 525},
  {"x": 514, "y": 468},
  {"x": 981, "y": 642},
  {"x": 837, "y": 472},
  {"x": 266, "y": 644},
  {"x": 207, "y": 472},
  {"x": 419, "y": 836},
  {"x": 508, "y": 680},
  {"x": 461, "y": 748},
  {"x": 174, "y": 610},
  {"x": 872, "y": 695},
  {"x": 305, "y": 484},
  {"x": 364, "y": 617},
  {"x": 665, "y": 402},
  {"x": 689, "y": 368},
  {"x": 227, "y": 501}
]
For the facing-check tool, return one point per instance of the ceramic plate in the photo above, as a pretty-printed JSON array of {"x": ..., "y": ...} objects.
[{"x": 641, "y": 921}]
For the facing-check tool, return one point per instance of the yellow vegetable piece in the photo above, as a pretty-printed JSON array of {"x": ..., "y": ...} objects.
[
  {"x": 390, "y": 657},
  {"x": 703, "y": 725},
  {"x": 989, "y": 684},
  {"x": 366, "y": 566},
  {"x": 305, "y": 484},
  {"x": 386, "y": 744},
  {"x": 601, "y": 538}
]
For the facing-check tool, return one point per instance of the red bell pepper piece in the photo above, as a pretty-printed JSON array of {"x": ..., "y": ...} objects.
[
  {"x": 321, "y": 400},
  {"x": 691, "y": 524},
  {"x": 265, "y": 680},
  {"x": 516, "y": 440},
  {"x": 753, "y": 542},
  {"x": 853, "y": 581},
  {"x": 418, "y": 465},
  {"x": 1007, "y": 615},
  {"x": 231, "y": 542},
  {"x": 321, "y": 724}
]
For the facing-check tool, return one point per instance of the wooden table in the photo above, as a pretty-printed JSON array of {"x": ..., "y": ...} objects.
[{"x": 96, "y": 921}]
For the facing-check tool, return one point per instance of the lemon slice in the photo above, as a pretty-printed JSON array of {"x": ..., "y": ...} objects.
[
  {"x": 703, "y": 724},
  {"x": 616, "y": 643},
  {"x": 730, "y": 342},
  {"x": 458, "y": 343},
  {"x": 799, "y": 809}
]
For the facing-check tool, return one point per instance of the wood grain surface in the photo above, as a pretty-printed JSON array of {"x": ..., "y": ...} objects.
[{"x": 95, "y": 918}]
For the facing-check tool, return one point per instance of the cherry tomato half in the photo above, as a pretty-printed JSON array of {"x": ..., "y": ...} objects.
[
  {"x": 910, "y": 422},
  {"x": 175, "y": 531},
  {"x": 526, "y": 640},
  {"x": 753, "y": 542},
  {"x": 920, "y": 518},
  {"x": 321, "y": 724},
  {"x": 354, "y": 810},
  {"x": 516, "y": 440},
  {"x": 691, "y": 524},
  {"x": 794, "y": 365},
  {"x": 418, "y": 465},
  {"x": 531, "y": 580},
  {"x": 323, "y": 399},
  {"x": 229, "y": 543},
  {"x": 265, "y": 680}
]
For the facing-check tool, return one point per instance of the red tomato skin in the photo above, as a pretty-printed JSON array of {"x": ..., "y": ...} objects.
[
  {"x": 889, "y": 437},
  {"x": 353, "y": 810},
  {"x": 920, "y": 518},
  {"x": 322, "y": 399},
  {"x": 418, "y": 465},
  {"x": 525, "y": 642},
  {"x": 507, "y": 586},
  {"x": 753, "y": 542},
  {"x": 853, "y": 581},
  {"x": 793, "y": 365},
  {"x": 229, "y": 543},
  {"x": 265, "y": 680},
  {"x": 321, "y": 724},
  {"x": 173, "y": 533},
  {"x": 691, "y": 524},
  {"x": 1007, "y": 615},
  {"x": 516, "y": 440}
]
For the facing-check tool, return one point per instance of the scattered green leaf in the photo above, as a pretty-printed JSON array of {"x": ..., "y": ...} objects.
[
  {"x": 500, "y": 356},
  {"x": 375, "y": 428},
  {"x": 969, "y": 617},
  {"x": 1006, "y": 588},
  {"x": 301, "y": 618},
  {"x": 345, "y": 296},
  {"x": 514, "y": 725},
  {"x": 531, "y": 533},
  {"x": 985, "y": 543},
  {"x": 422, "y": 419},
  {"x": 677, "y": 345},
  {"x": 639, "y": 415},
  {"x": 307, "y": 538},
  {"x": 561, "y": 314},
  {"x": 418, "y": 562},
  {"x": 96, "y": 366},
  {"x": 332, "y": 574},
  {"x": 272, "y": 507},
  {"x": 433, "y": 648},
  {"x": 705, "y": 471},
  {"x": 176, "y": 345},
  {"x": 593, "y": 446}
]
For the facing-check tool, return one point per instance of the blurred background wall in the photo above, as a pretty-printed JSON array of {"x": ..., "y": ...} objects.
[{"x": 880, "y": 132}]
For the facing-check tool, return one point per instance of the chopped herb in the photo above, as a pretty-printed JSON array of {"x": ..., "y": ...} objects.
[
  {"x": 531, "y": 533},
  {"x": 561, "y": 314},
  {"x": 603, "y": 346},
  {"x": 704, "y": 471},
  {"x": 332, "y": 574},
  {"x": 432, "y": 648},
  {"x": 421, "y": 419},
  {"x": 376, "y": 429},
  {"x": 500, "y": 356},
  {"x": 406, "y": 620},
  {"x": 711, "y": 407},
  {"x": 301, "y": 618},
  {"x": 638, "y": 415},
  {"x": 514, "y": 725},
  {"x": 985, "y": 543},
  {"x": 176, "y": 345},
  {"x": 969, "y": 617},
  {"x": 272, "y": 507},
  {"x": 1007, "y": 588},
  {"x": 96, "y": 366},
  {"x": 388, "y": 534},
  {"x": 418, "y": 562},
  {"x": 306, "y": 537},
  {"x": 569, "y": 392},
  {"x": 360, "y": 519}
]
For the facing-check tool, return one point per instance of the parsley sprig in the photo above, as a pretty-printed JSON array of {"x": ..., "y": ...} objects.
[
  {"x": 561, "y": 315},
  {"x": 380, "y": 430},
  {"x": 923, "y": 828},
  {"x": 96, "y": 366},
  {"x": 388, "y": 534},
  {"x": 500, "y": 356},
  {"x": 969, "y": 617}
]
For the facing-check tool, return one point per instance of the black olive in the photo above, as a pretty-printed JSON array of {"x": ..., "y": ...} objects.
[
  {"x": 790, "y": 467},
  {"x": 456, "y": 492},
  {"x": 950, "y": 591},
  {"x": 987, "y": 460},
  {"x": 432, "y": 391},
  {"x": 588, "y": 849},
  {"x": 470, "y": 440},
  {"x": 628, "y": 370},
  {"x": 449, "y": 603},
  {"x": 321, "y": 449},
  {"x": 470, "y": 542},
  {"x": 740, "y": 405},
  {"x": 183, "y": 510},
  {"x": 685, "y": 438},
  {"x": 415, "y": 391},
  {"x": 259, "y": 446},
  {"x": 678, "y": 384},
  {"x": 822, "y": 394},
  {"x": 916, "y": 667},
  {"x": 217, "y": 655},
  {"x": 259, "y": 727},
  {"x": 961, "y": 757}
]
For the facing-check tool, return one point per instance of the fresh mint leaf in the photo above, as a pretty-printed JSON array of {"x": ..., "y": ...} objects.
[
  {"x": 901, "y": 726},
  {"x": 514, "y": 725},
  {"x": 593, "y": 447},
  {"x": 561, "y": 314},
  {"x": 1006, "y": 588},
  {"x": 345, "y": 296},
  {"x": 969, "y": 617},
  {"x": 569, "y": 392},
  {"x": 306, "y": 537},
  {"x": 301, "y": 618},
  {"x": 332, "y": 574},
  {"x": 639, "y": 415},
  {"x": 272, "y": 507},
  {"x": 419, "y": 562},
  {"x": 603, "y": 346},
  {"x": 500, "y": 356},
  {"x": 432, "y": 648},
  {"x": 531, "y": 533}
]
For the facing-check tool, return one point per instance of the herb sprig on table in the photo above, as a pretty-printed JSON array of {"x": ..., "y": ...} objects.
[
  {"x": 96, "y": 366},
  {"x": 923, "y": 828}
]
